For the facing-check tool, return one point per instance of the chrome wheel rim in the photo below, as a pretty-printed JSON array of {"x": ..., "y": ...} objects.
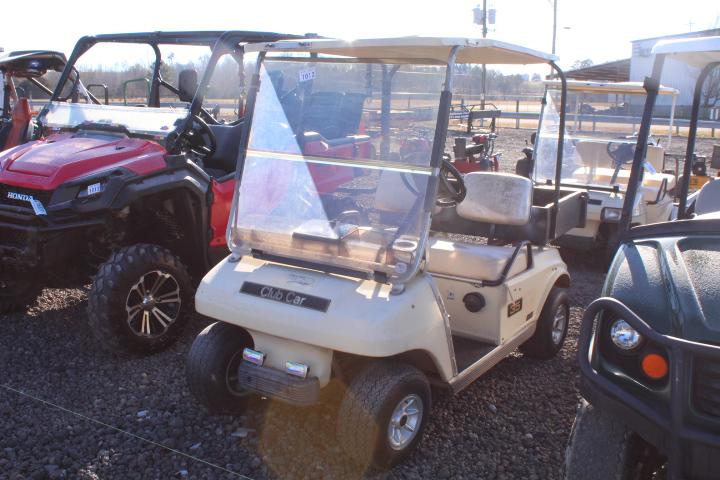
[
  {"x": 153, "y": 304},
  {"x": 405, "y": 421},
  {"x": 559, "y": 323}
]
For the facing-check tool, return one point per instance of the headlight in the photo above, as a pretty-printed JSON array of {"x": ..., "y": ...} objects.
[
  {"x": 611, "y": 215},
  {"x": 624, "y": 336}
]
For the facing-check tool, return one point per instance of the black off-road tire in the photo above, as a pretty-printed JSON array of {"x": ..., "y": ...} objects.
[
  {"x": 542, "y": 345},
  {"x": 109, "y": 292},
  {"x": 211, "y": 368},
  {"x": 18, "y": 299},
  {"x": 365, "y": 411},
  {"x": 601, "y": 447}
]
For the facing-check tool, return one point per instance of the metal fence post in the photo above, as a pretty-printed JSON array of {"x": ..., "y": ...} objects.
[{"x": 517, "y": 110}]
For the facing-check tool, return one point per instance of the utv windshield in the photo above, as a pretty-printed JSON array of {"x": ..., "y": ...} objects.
[
  {"x": 338, "y": 169},
  {"x": 600, "y": 138},
  {"x": 111, "y": 87}
]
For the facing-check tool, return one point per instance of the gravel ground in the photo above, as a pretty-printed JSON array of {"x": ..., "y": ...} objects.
[{"x": 70, "y": 410}]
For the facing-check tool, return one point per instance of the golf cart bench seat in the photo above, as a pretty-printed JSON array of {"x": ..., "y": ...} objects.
[
  {"x": 594, "y": 153},
  {"x": 708, "y": 198},
  {"x": 473, "y": 261},
  {"x": 495, "y": 198},
  {"x": 652, "y": 182}
]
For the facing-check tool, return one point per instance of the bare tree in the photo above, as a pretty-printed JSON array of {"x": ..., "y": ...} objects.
[{"x": 711, "y": 89}]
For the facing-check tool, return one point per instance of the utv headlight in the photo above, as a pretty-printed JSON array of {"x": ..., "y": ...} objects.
[{"x": 624, "y": 336}]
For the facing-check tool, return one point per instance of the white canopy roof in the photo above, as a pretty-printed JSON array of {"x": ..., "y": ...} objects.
[
  {"x": 697, "y": 51},
  {"x": 405, "y": 49},
  {"x": 630, "y": 88}
]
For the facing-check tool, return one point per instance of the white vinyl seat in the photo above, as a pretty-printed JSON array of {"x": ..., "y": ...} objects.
[
  {"x": 708, "y": 199},
  {"x": 497, "y": 198},
  {"x": 472, "y": 261}
]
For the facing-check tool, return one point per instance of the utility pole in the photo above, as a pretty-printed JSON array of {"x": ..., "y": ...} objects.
[
  {"x": 554, "y": 25},
  {"x": 484, "y": 67}
]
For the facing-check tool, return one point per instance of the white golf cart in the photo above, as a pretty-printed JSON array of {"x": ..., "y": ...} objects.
[
  {"x": 335, "y": 275},
  {"x": 598, "y": 153}
]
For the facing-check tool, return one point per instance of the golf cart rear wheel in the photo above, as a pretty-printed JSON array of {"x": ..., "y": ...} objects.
[
  {"x": 18, "y": 292},
  {"x": 212, "y": 367},
  {"x": 601, "y": 447},
  {"x": 383, "y": 414},
  {"x": 140, "y": 300},
  {"x": 551, "y": 328}
]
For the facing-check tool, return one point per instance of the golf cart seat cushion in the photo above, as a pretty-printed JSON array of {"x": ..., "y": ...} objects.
[
  {"x": 497, "y": 198},
  {"x": 602, "y": 175},
  {"x": 594, "y": 153},
  {"x": 392, "y": 194},
  {"x": 708, "y": 199},
  {"x": 472, "y": 261},
  {"x": 21, "y": 116},
  {"x": 655, "y": 156}
]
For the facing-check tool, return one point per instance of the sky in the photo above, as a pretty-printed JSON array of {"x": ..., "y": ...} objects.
[{"x": 598, "y": 30}]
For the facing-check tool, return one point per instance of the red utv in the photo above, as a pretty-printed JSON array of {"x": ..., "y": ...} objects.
[
  {"x": 28, "y": 67},
  {"x": 135, "y": 191}
]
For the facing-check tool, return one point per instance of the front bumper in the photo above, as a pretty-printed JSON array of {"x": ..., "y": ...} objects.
[
  {"x": 273, "y": 383},
  {"x": 689, "y": 438}
]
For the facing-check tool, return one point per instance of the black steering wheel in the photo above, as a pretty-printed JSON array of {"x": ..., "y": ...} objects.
[
  {"x": 621, "y": 153},
  {"x": 452, "y": 186},
  {"x": 200, "y": 139}
]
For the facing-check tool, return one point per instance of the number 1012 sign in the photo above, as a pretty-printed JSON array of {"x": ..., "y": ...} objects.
[{"x": 307, "y": 75}]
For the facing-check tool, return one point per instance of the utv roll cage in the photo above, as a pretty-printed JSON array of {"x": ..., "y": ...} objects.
[
  {"x": 29, "y": 65},
  {"x": 227, "y": 39}
]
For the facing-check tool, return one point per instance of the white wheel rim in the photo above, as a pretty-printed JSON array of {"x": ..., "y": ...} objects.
[
  {"x": 559, "y": 323},
  {"x": 405, "y": 422}
]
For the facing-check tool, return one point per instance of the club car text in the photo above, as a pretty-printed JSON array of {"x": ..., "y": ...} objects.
[{"x": 285, "y": 296}]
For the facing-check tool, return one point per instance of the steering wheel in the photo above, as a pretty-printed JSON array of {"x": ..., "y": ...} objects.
[
  {"x": 450, "y": 192},
  {"x": 621, "y": 153},
  {"x": 200, "y": 139}
]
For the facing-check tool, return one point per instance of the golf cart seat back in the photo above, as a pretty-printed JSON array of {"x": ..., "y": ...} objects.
[
  {"x": 497, "y": 198},
  {"x": 21, "y": 117},
  {"x": 708, "y": 199},
  {"x": 494, "y": 198},
  {"x": 655, "y": 156}
]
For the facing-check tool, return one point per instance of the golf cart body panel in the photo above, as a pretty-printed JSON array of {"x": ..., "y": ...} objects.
[
  {"x": 594, "y": 162},
  {"x": 663, "y": 284}
]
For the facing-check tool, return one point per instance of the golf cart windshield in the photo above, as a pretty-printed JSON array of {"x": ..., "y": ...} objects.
[
  {"x": 600, "y": 134},
  {"x": 337, "y": 170}
]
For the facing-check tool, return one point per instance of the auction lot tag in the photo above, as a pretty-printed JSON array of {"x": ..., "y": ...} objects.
[
  {"x": 38, "y": 207},
  {"x": 289, "y": 297},
  {"x": 94, "y": 188},
  {"x": 307, "y": 74}
]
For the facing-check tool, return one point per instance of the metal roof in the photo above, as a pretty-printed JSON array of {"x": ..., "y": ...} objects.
[
  {"x": 630, "y": 88},
  {"x": 414, "y": 49},
  {"x": 615, "y": 71}
]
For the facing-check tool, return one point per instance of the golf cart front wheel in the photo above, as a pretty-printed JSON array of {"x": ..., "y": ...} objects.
[
  {"x": 212, "y": 367},
  {"x": 552, "y": 327},
  {"x": 140, "y": 300},
  {"x": 383, "y": 414},
  {"x": 601, "y": 447}
]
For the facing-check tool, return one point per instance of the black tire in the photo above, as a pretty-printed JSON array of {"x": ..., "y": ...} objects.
[
  {"x": 543, "y": 344},
  {"x": 365, "y": 413},
  {"x": 211, "y": 367},
  {"x": 114, "y": 288},
  {"x": 601, "y": 447},
  {"x": 18, "y": 292}
]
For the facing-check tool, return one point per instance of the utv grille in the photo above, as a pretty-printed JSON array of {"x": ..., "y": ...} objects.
[
  {"x": 14, "y": 238},
  {"x": 17, "y": 196},
  {"x": 706, "y": 388}
]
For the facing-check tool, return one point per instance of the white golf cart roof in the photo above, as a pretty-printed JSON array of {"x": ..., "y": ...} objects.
[
  {"x": 402, "y": 49},
  {"x": 620, "y": 88},
  {"x": 694, "y": 51}
]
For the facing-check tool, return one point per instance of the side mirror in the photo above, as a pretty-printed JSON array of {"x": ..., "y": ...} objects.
[
  {"x": 533, "y": 137},
  {"x": 187, "y": 85}
]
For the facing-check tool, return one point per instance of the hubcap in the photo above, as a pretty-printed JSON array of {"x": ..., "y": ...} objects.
[
  {"x": 405, "y": 421},
  {"x": 559, "y": 323},
  {"x": 153, "y": 304}
]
